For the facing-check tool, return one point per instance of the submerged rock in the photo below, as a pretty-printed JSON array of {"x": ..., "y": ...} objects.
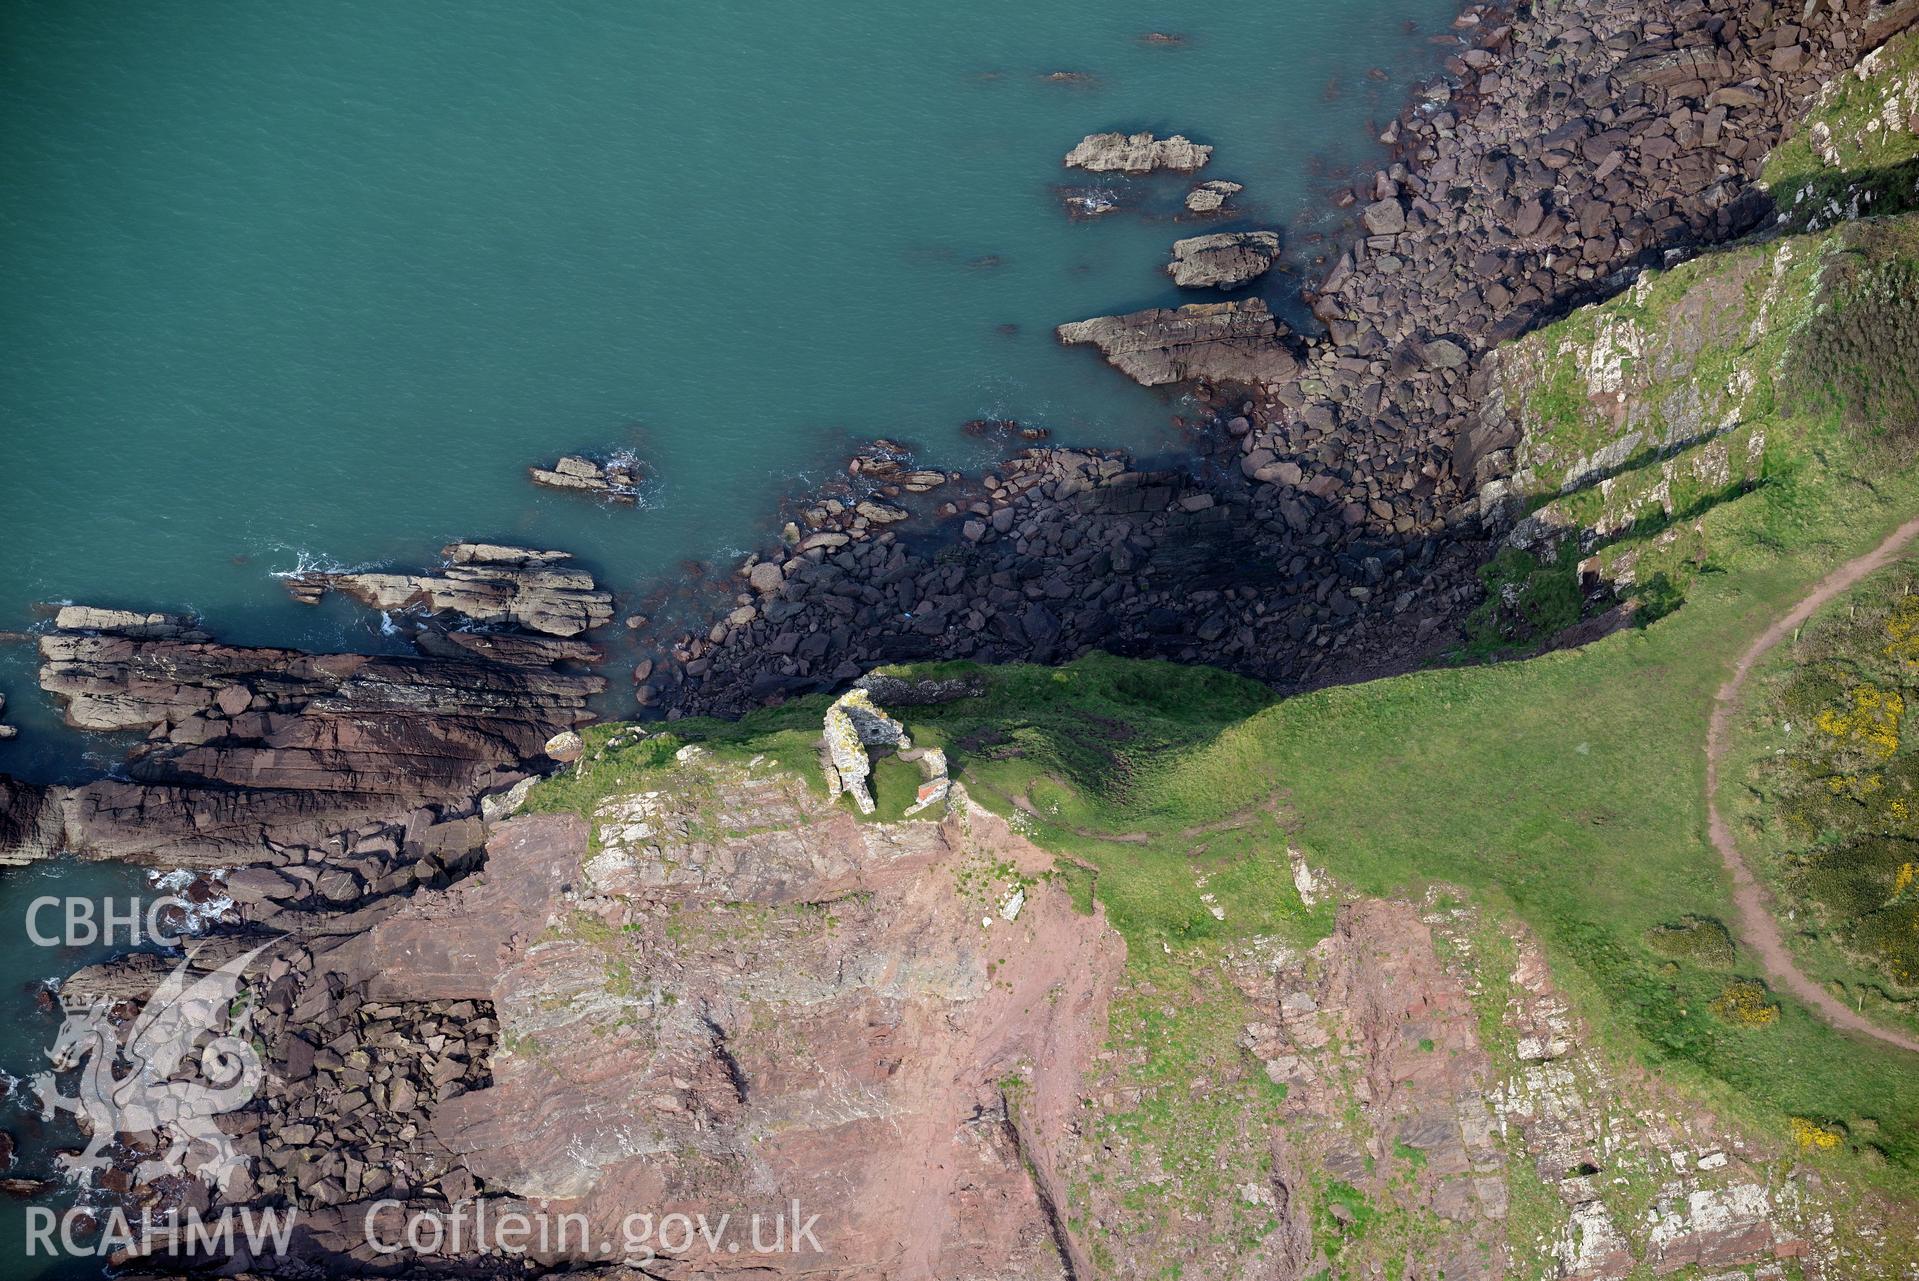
[
  {"x": 1137, "y": 153},
  {"x": 1223, "y": 260},
  {"x": 890, "y": 463},
  {"x": 1084, "y": 203}
]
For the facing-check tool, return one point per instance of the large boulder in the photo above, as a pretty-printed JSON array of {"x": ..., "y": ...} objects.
[{"x": 1223, "y": 260}]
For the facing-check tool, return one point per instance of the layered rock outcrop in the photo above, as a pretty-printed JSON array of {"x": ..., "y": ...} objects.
[
  {"x": 812, "y": 1013},
  {"x": 484, "y": 582},
  {"x": 248, "y": 745},
  {"x": 717, "y": 994},
  {"x": 1430, "y": 1065},
  {"x": 616, "y": 478},
  {"x": 1215, "y": 341}
]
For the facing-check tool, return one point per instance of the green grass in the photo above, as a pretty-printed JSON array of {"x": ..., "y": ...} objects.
[
  {"x": 1869, "y": 157},
  {"x": 1566, "y": 790},
  {"x": 1526, "y": 603},
  {"x": 1567, "y": 787}
]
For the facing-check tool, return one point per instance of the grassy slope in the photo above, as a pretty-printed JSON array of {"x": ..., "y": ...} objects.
[
  {"x": 1565, "y": 789},
  {"x": 1570, "y": 785},
  {"x": 1567, "y": 786},
  {"x": 1864, "y": 121}
]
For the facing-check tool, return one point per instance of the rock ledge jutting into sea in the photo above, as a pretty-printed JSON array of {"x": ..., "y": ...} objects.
[
  {"x": 1220, "y": 341},
  {"x": 485, "y": 582},
  {"x": 251, "y": 748}
]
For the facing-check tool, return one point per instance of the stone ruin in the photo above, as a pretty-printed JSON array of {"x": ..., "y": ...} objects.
[{"x": 855, "y": 723}]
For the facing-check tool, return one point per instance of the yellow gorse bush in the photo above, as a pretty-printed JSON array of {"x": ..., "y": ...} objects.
[
  {"x": 1816, "y": 1136},
  {"x": 1902, "y": 629},
  {"x": 1871, "y": 723},
  {"x": 1859, "y": 786},
  {"x": 1902, "y": 879},
  {"x": 1743, "y": 1003}
]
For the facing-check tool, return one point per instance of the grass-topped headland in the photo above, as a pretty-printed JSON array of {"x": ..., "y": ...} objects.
[{"x": 1566, "y": 789}]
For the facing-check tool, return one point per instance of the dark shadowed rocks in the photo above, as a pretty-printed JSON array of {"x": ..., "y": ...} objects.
[{"x": 30, "y": 823}]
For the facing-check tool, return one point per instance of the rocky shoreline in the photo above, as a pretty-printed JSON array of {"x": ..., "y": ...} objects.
[
  {"x": 1332, "y": 529},
  {"x": 1337, "y": 531},
  {"x": 351, "y": 770},
  {"x": 482, "y": 583}
]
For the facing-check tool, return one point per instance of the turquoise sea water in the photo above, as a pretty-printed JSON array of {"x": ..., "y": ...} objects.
[{"x": 295, "y": 280}]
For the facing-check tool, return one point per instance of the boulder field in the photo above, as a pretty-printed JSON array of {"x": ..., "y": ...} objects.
[{"x": 1330, "y": 527}]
